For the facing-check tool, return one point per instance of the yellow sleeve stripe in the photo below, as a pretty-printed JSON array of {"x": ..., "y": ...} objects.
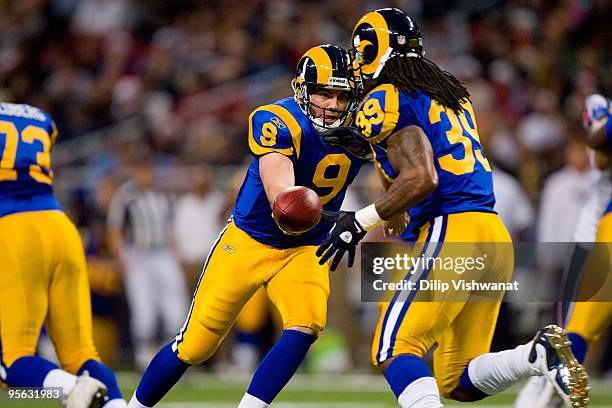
[
  {"x": 294, "y": 129},
  {"x": 380, "y": 168},
  {"x": 391, "y": 112}
]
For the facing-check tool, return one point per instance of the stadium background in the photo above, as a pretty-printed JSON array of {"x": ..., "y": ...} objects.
[{"x": 179, "y": 79}]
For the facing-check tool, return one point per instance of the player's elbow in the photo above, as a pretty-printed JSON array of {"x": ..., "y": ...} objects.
[
  {"x": 422, "y": 180},
  {"x": 429, "y": 182}
]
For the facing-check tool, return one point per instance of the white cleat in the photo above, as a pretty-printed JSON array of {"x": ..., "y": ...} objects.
[
  {"x": 552, "y": 357},
  {"x": 538, "y": 393},
  {"x": 87, "y": 393}
]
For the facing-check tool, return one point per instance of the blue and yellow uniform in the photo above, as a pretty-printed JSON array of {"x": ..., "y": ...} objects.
[
  {"x": 252, "y": 251},
  {"x": 43, "y": 276},
  {"x": 459, "y": 211}
]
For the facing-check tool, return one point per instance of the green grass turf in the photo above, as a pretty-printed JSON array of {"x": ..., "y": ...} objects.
[{"x": 305, "y": 391}]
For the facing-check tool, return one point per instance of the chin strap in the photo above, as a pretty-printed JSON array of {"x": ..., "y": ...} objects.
[{"x": 320, "y": 125}]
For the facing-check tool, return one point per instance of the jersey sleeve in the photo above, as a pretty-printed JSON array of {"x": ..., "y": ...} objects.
[
  {"x": 378, "y": 114},
  {"x": 273, "y": 129}
]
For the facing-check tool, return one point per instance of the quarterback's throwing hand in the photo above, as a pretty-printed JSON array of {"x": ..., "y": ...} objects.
[{"x": 344, "y": 237}]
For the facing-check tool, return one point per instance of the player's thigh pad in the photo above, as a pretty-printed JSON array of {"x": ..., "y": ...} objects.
[
  {"x": 468, "y": 336},
  {"x": 235, "y": 268},
  {"x": 253, "y": 315},
  {"x": 300, "y": 289},
  {"x": 409, "y": 326},
  {"x": 24, "y": 278},
  {"x": 69, "y": 321},
  {"x": 590, "y": 319}
]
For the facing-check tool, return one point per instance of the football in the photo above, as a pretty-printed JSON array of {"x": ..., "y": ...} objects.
[{"x": 297, "y": 209}]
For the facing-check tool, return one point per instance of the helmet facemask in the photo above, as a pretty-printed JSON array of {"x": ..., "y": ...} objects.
[
  {"x": 303, "y": 94},
  {"x": 324, "y": 69}
]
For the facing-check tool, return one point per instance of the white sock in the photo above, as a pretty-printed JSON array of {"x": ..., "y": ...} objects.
[
  {"x": 134, "y": 403},
  {"x": 62, "y": 379},
  {"x": 422, "y": 393},
  {"x": 492, "y": 373},
  {"x": 116, "y": 403},
  {"x": 249, "y": 401}
]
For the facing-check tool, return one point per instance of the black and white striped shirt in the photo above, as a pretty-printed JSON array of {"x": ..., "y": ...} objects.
[{"x": 144, "y": 216}]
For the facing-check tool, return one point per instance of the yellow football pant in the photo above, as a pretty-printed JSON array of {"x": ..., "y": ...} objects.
[
  {"x": 43, "y": 279},
  {"x": 590, "y": 320},
  {"x": 235, "y": 269},
  {"x": 462, "y": 329},
  {"x": 254, "y": 314}
]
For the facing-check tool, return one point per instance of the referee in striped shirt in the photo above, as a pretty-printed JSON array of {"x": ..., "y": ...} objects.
[{"x": 139, "y": 226}]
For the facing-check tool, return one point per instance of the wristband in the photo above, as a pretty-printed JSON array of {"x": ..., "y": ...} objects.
[{"x": 368, "y": 217}]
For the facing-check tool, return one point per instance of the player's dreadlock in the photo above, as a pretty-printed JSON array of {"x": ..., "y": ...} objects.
[{"x": 408, "y": 74}]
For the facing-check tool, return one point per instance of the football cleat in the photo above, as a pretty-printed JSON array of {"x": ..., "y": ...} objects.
[
  {"x": 538, "y": 392},
  {"x": 87, "y": 393},
  {"x": 551, "y": 356}
]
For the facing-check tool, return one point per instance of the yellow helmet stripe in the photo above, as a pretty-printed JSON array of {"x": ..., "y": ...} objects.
[
  {"x": 322, "y": 62},
  {"x": 378, "y": 22}
]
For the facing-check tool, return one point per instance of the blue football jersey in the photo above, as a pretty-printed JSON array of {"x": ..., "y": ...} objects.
[
  {"x": 465, "y": 181},
  {"x": 283, "y": 128},
  {"x": 26, "y": 137}
]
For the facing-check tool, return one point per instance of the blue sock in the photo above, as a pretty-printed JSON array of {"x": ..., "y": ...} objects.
[
  {"x": 28, "y": 372},
  {"x": 468, "y": 386},
  {"x": 404, "y": 370},
  {"x": 162, "y": 373},
  {"x": 101, "y": 372},
  {"x": 279, "y": 365},
  {"x": 579, "y": 346}
]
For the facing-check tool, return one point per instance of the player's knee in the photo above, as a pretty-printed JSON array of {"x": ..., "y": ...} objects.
[
  {"x": 73, "y": 360},
  {"x": 9, "y": 356},
  {"x": 304, "y": 329},
  {"x": 195, "y": 355},
  {"x": 199, "y": 344},
  {"x": 383, "y": 366}
]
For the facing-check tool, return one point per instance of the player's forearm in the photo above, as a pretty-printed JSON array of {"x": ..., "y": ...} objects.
[
  {"x": 407, "y": 190},
  {"x": 410, "y": 153},
  {"x": 276, "y": 172}
]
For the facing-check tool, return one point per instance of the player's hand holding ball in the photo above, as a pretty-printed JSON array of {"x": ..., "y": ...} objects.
[{"x": 296, "y": 210}]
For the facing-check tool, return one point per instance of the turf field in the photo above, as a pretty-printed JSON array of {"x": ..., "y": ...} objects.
[{"x": 198, "y": 390}]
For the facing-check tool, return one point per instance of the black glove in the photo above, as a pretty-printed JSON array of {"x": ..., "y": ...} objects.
[
  {"x": 344, "y": 237},
  {"x": 350, "y": 139}
]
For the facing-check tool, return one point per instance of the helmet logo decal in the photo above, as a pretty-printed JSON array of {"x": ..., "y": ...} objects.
[
  {"x": 381, "y": 30},
  {"x": 339, "y": 82}
]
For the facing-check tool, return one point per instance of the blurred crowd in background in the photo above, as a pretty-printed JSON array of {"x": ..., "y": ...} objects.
[{"x": 175, "y": 81}]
